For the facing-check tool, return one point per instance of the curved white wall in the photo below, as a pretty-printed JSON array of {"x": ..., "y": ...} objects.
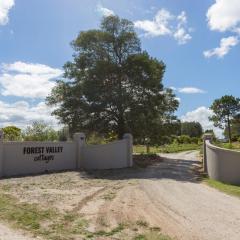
[
  {"x": 107, "y": 156},
  {"x": 21, "y": 158},
  {"x": 223, "y": 164}
]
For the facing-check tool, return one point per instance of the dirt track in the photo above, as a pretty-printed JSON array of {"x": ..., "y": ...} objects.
[{"x": 166, "y": 195}]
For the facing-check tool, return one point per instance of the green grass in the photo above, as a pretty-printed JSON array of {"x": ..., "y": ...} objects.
[
  {"x": 53, "y": 225},
  {"x": 233, "y": 146},
  {"x": 226, "y": 188},
  {"x": 152, "y": 235},
  {"x": 47, "y": 223},
  {"x": 171, "y": 148},
  {"x": 23, "y": 215}
]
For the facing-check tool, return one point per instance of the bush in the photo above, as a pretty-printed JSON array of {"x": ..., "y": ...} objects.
[
  {"x": 95, "y": 139},
  {"x": 194, "y": 140},
  {"x": 183, "y": 139},
  {"x": 235, "y": 138},
  {"x": 167, "y": 140},
  {"x": 40, "y": 131},
  {"x": 239, "y": 139}
]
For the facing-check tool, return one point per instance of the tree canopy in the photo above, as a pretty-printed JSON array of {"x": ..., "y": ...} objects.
[
  {"x": 11, "y": 133},
  {"x": 225, "y": 109},
  {"x": 112, "y": 86},
  {"x": 235, "y": 128},
  {"x": 192, "y": 129},
  {"x": 40, "y": 131}
]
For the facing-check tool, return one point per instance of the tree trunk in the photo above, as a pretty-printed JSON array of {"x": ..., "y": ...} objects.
[
  {"x": 148, "y": 148},
  {"x": 121, "y": 128},
  {"x": 229, "y": 131}
]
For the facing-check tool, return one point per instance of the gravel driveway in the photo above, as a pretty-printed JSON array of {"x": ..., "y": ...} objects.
[
  {"x": 188, "y": 209},
  {"x": 166, "y": 195}
]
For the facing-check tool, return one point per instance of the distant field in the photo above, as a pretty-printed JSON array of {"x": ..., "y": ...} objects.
[{"x": 171, "y": 148}]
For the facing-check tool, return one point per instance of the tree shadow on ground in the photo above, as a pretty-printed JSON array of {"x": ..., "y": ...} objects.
[{"x": 175, "y": 169}]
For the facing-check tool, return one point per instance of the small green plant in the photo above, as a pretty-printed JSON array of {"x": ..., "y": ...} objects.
[
  {"x": 142, "y": 223},
  {"x": 152, "y": 235}
]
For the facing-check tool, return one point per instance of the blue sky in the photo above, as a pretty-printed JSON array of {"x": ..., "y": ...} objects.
[{"x": 198, "y": 41}]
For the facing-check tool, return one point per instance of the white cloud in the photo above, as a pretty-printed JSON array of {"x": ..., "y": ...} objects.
[
  {"x": 158, "y": 26},
  {"x": 201, "y": 115},
  {"x": 182, "y": 36},
  {"x": 5, "y": 6},
  {"x": 224, "y": 15},
  {"x": 104, "y": 11},
  {"x": 166, "y": 24},
  {"x": 225, "y": 46},
  {"x": 191, "y": 90},
  {"x": 22, "y": 114},
  {"x": 188, "y": 90},
  {"x": 27, "y": 80}
]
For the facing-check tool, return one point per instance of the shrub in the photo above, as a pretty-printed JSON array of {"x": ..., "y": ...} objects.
[
  {"x": 239, "y": 139},
  {"x": 184, "y": 139},
  {"x": 167, "y": 140},
  {"x": 194, "y": 140},
  {"x": 235, "y": 138},
  {"x": 95, "y": 139}
]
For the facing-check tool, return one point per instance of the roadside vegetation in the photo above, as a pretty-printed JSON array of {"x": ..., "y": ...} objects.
[
  {"x": 170, "y": 148},
  {"x": 233, "y": 145},
  {"x": 227, "y": 116},
  {"x": 174, "y": 144},
  {"x": 226, "y": 188}
]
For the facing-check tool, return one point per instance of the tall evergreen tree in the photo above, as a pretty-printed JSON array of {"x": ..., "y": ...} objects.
[{"x": 225, "y": 109}]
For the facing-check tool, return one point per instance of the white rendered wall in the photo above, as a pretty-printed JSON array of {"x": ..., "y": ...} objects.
[{"x": 48, "y": 156}]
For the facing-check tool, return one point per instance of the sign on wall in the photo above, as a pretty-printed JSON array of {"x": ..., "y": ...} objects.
[{"x": 43, "y": 153}]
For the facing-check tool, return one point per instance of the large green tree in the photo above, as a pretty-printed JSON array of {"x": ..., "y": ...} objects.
[
  {"x": 11, "y": 133},
  {"x": 192, "y": 129},
  {"x": 225, "y": 109},
  {"x": 235, "y": 128},
  {"x": 112, "y": 86}
]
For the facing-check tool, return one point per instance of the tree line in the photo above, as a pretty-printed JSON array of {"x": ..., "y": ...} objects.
[
  {"x": 38, "y": 131},
  {"x": 185, "y": 132}
]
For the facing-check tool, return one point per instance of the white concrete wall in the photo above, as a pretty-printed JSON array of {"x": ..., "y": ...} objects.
[
  {"x": 222, "y": 164},
  {"x": 22, "y": 158},
  {"x": 107, "y": 156},
  {"x": 35, "y": 157}
]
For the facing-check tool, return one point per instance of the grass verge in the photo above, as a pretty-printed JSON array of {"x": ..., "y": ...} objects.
[
  {"x": 152, "y": 235},
  {"x": 226, "y": 188},
  {"x": 47, "y": 223}
]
